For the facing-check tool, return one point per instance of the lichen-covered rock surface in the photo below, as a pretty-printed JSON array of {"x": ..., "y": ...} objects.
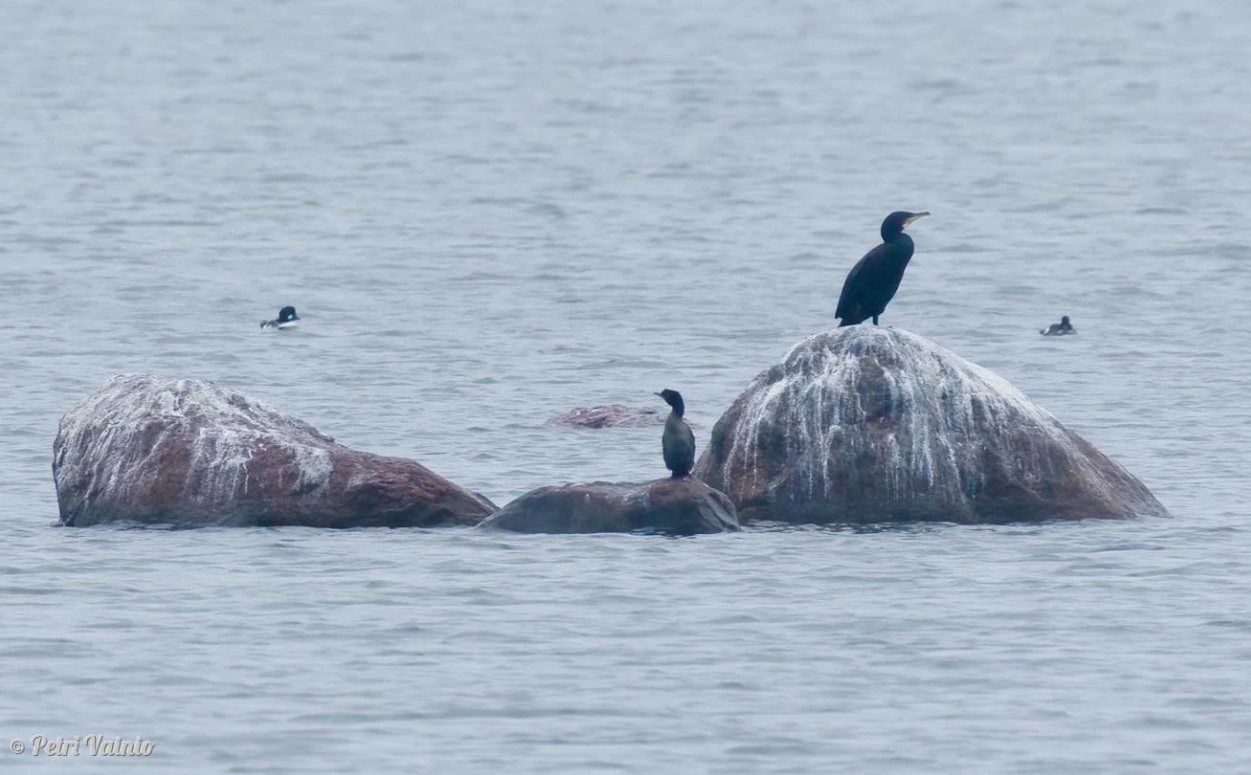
[
  {"x": 181, "y": 451},
  {"x": 868, "y": 424}
]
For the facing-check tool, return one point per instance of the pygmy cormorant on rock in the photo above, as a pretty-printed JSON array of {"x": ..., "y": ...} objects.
[
  {"x": 872, "y": 282},
  {"x": 1062, "y": 328},
  {"x": 678, "y": 441}
]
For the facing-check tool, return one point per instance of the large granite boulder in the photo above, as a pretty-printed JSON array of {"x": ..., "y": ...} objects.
[
  {"x": 868, "y": 424},
  {"x": 671, "y": 506},
  {"x": 181, "y": 451}
]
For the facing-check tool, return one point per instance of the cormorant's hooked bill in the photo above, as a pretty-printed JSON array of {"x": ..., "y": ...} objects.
[
  {"x": 873, "y": 281},
  {"x": 678, "y": 442}
]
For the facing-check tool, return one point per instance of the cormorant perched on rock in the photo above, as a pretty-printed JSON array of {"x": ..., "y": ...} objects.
[
  {"x": 1059, "y": 329},
  {"x": 872, "y": 282},
  {"x": 678, "y": 441}
]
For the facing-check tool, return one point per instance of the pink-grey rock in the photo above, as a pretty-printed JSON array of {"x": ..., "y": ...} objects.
[
  {"x": 671, "y": 506},
  {"x": 611, "y": 416},
  {"x": 868, "y": 424},
  {"x": 181, "y": 451}
]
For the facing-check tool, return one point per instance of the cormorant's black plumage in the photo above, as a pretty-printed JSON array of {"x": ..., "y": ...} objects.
[
  {"x": 872, "y": 282},
  {"x": 678, "y": 441}
]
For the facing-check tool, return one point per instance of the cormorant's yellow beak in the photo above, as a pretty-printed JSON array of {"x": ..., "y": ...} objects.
[{"x": 914, "y": 217}]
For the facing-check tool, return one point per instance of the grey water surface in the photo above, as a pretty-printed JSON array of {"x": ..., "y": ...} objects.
[{"x": 491, "y": 212}]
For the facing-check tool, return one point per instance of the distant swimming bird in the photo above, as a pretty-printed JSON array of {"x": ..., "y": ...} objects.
[
  {"x": 1063, "y": 328},
  {"x": 872, "y": 282},
  {"x": 286, "y": 319},
  {"x": 678, "y": 441}
]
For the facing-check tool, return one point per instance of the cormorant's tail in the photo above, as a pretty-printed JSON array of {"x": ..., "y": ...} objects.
[{"x": 847, "y": 322}]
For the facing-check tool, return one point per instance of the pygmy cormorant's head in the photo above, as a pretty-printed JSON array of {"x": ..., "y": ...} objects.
[
  {"x": 673, "y": 398},
  {"x": 1064, "y": 321},
  {"x": 896, "y": 222},
  {"x": 287, "y": 314}
]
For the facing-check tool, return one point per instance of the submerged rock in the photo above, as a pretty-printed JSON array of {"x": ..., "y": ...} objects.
[
  {"x": 181, "y": 451},
  {"x": 611, "y": 416},
  {"x": 671, "y": 506},
  {"x": 868, "y": 424}
]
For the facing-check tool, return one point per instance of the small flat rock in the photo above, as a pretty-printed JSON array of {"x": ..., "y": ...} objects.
[
  {"x": 156, "y": 450},
  {"x": 670, "y": 506},
  {"x": 611, "y": 416}
]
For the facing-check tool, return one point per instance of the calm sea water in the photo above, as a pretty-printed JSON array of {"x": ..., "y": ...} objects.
[{"x": 489, "y": 213}]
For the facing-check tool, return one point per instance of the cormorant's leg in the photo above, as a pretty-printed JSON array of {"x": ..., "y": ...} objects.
[{"x": 875, "y": 320}]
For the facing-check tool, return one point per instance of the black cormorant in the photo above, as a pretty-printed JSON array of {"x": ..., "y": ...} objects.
[
  {"x": 678, "y": 442},
  {"x": 872, "y": 282},
  {"x": 286, "y": 319},
  {"x": 1059, "y": 329}
]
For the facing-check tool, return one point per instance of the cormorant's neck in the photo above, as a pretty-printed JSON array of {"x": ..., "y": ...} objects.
[
  {"x": 679, "y": 407},
  {"x": 895, "y": 237}
]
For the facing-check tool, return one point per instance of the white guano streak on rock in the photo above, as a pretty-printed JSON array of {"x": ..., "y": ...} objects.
[
  {"x": 227, "y": 428},
  {"x": 940, "y": 400}
]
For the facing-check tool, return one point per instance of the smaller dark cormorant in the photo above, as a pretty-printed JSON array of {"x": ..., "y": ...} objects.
[
  {"x": 678, "y": 441},
  {"x": 286, "y": 319},
  {"x": 1062, "y": 328},
  {"x": 872, "y": 282}
]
